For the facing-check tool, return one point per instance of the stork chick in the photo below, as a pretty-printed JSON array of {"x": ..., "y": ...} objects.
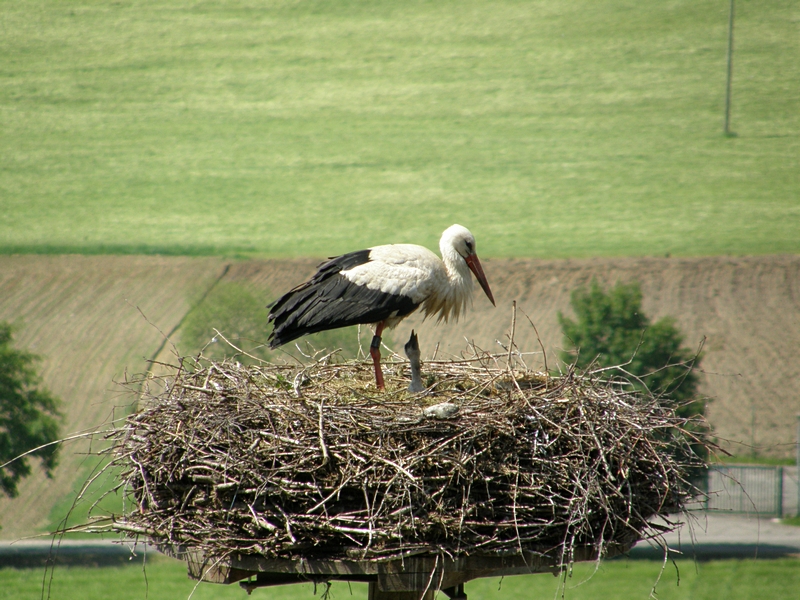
[{"x": 413, "y": 354}]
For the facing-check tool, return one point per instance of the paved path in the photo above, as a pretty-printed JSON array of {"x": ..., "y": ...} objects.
[
  {"x": 39, "y": 552},
  {"x": 714, "y": 535},
  {"x": 705, "y": 536}
]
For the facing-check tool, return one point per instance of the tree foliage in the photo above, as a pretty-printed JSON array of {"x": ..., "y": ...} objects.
[
  {"x": 611, "y": 329},
  {"x": 29, "y": 415}
]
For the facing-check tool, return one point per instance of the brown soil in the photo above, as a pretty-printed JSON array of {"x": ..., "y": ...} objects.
[
  {"x": 745, "y": 310},
  {"x": 82, "y": 315}
]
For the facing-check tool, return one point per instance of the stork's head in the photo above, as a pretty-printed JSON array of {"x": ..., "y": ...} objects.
[{"x": 462, "y": 241}]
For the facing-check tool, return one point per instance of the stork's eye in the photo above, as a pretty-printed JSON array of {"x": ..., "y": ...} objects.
[{"x": 469, "y": 246}]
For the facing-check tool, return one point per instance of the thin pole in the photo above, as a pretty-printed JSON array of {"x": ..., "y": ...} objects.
[
  {"x": 730, "y": 74},
  {"x": 753, "y": 451}
]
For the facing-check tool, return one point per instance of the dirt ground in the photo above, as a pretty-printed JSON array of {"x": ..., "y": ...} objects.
[{"x": 95, "y": 318}]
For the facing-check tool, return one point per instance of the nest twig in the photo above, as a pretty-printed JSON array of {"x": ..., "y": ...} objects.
[{"x": 310, "y": 461}]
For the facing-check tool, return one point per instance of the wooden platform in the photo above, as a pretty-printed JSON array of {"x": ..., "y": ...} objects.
[{"x": 411, "y": 578}]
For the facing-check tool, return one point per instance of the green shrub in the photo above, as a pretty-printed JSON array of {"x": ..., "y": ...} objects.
[{"x": 611, "y": 330}]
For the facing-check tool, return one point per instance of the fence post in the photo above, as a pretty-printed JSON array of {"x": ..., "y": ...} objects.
[{"x": 797, "y": 464}]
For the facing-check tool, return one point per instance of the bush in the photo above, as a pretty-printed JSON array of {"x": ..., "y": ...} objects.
[{"x": 611, "y": 330}]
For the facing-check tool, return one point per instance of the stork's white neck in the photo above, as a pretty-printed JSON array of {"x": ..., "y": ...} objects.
[
  {"x": 457, "y": 270},
  {"x": 450, "y": 298}
]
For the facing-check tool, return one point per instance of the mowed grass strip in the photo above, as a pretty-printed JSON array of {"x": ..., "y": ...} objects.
[
  {"x": 551, "y": 129},
  {"x": 165, "y": 579}
]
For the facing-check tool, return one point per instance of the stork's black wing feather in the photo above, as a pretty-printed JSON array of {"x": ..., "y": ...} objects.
[{"x": 329, "y": 301}]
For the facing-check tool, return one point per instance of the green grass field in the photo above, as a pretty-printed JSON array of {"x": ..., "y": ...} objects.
[
  {"x": 165, "y": 579},
  {"x": 551, "y": 129}
]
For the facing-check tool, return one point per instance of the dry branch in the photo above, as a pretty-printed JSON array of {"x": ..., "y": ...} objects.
[{"x": 311, "y": 462}]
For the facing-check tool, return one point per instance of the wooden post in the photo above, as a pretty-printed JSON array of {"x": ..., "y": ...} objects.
[
  {"x": 797, "y": 464},
  {"x": 728, "y": 131}
]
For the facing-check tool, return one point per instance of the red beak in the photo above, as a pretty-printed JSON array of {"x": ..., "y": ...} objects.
[{"x": 475, "y": 266}]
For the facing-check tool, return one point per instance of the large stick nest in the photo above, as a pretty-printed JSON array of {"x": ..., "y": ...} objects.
[{"x": 313, "y": 462}]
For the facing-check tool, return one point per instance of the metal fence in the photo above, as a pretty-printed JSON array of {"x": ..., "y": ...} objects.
[{"x": 751, "y": 489}]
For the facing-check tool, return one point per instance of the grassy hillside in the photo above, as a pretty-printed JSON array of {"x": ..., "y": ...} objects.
[{"x": 552, "y": 129}]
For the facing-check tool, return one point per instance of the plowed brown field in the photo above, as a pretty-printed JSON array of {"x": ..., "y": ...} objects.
[
  {"x": 81, "y": 314},
  {"x": 746, "y": 308}
]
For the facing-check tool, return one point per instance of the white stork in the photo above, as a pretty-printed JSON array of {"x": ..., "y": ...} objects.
[{"x": 381, "y": 286}]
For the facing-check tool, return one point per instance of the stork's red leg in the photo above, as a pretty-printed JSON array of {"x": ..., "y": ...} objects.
[{"x": 375, "y": 353}]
